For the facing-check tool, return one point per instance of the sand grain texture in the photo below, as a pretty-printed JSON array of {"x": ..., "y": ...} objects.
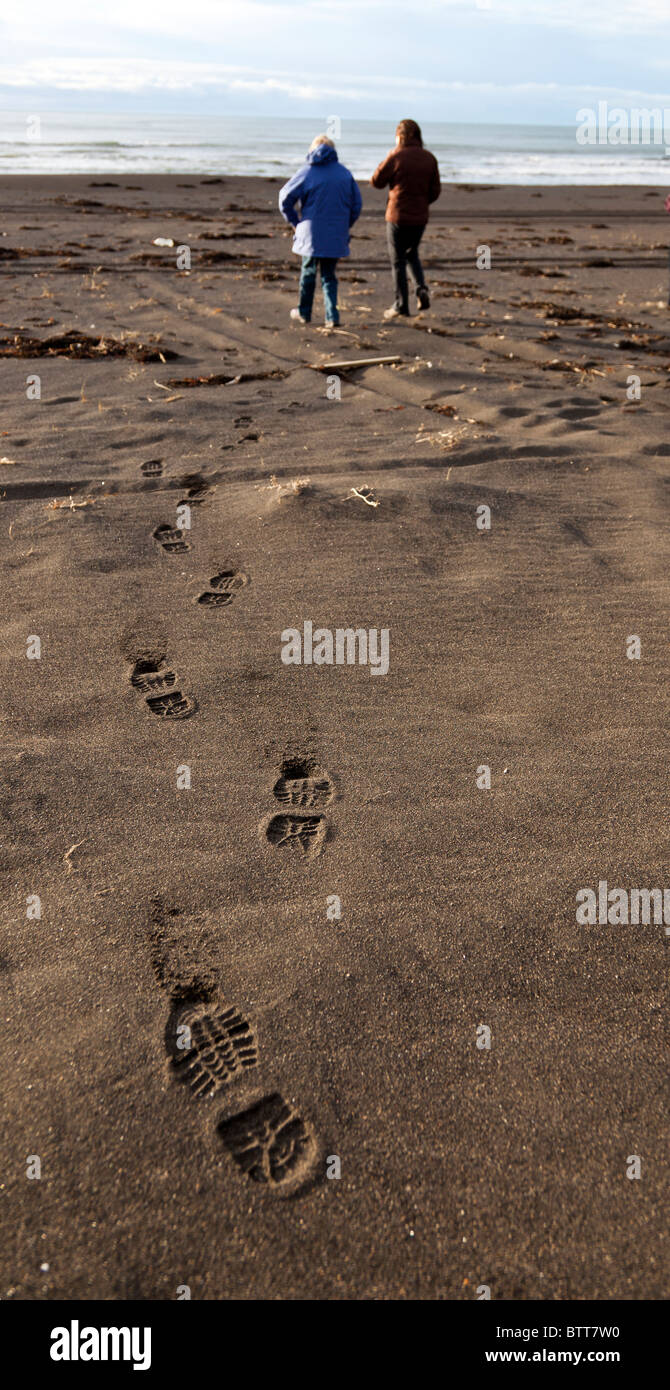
[{"x": 206, "y": 908}]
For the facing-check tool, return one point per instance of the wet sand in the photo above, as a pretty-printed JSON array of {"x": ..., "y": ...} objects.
[{"x": 207, "y": 912}]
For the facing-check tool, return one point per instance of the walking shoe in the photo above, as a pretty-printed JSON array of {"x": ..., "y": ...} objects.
[
  {"x": 422, "y": 297},
  {"x": 295, "y": 314},
  {"x": 395, "y": 313}
]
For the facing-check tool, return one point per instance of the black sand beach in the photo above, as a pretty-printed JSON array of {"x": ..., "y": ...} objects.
[{"x": 209, "y": 906}]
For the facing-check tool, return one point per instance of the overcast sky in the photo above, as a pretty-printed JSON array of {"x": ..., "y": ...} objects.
[{"x": 471, "y": 60}]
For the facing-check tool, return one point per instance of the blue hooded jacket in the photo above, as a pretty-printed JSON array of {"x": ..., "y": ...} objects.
[{"x": 329, "y": 200}]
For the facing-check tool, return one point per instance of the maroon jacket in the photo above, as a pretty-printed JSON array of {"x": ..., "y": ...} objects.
[{"x": 413, "y": 180}]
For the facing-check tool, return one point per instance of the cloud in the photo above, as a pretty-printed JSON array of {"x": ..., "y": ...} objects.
[
  {"x": 307, "y": 52},
  {"x": 151, "y": 74},
  {"x": 72, "y": 23},
  {"x": 148, "y": 74}
]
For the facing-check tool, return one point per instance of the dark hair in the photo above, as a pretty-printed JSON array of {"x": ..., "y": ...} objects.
[{"x": 409, "y": 133}]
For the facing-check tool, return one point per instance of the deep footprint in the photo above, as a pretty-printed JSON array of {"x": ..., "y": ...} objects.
[
  {"x": 271, "y": 1143},
  {"x": 225, "y": 586},
  {"x": 307, "y": 832},
  {"x": 302, "y": 783},
  {"x": 198, "y": 490},
  {"x": 214, "y": 1051},
  {"x": 171, "y": 539},
  {"x": 174, "y": 705},
  {"x": 148, "y": 675}
]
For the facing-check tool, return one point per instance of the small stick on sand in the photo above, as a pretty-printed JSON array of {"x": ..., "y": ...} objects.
[
  {"x": 59, "y": 502},
  {"x": 355, "y": 362},
  {"x": 66, "y": 857},
  {"x": 365, "y": 496},
  {"x": 342, "y": 332}
]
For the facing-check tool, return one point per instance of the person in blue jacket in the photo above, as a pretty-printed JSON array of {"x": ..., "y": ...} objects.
[{"x": 329, "y": 203}]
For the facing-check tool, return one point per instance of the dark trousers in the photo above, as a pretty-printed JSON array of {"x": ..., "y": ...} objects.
[
  {"x": 403, "y": 243},
  {"x": 327, "y": 265}
]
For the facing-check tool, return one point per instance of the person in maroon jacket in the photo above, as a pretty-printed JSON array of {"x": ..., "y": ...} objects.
[{"x": 413, "y": 179}]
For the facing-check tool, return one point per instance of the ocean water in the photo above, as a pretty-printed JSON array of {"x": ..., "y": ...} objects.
[{"x": 78, "y": 143}]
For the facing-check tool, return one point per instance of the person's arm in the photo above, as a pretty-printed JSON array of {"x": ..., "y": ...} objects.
[
  {"x": 289, "y": 195},
  {"x": 435, "y": 185},
  {"x": 356, "y": 202},
  {"x": 382, "y": 174}
]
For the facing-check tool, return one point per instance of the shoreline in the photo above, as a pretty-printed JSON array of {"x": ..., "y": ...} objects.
[{"x": 508, "y": 202}]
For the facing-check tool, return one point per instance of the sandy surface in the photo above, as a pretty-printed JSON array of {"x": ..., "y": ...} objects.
[{"x": 196, "y": 908}]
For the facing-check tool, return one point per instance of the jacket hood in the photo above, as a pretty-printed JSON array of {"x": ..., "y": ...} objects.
[{"x": 323, "y": 154}]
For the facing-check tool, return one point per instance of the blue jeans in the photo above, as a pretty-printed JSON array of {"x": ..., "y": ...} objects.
[{"x": 310, "y": 265}]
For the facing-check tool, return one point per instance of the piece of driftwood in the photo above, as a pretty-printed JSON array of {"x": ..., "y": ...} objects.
[{"x": 355, "y": 362}]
